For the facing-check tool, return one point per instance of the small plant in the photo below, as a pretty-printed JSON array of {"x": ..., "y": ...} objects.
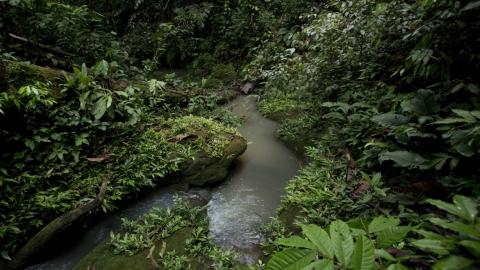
[
  {"x": 354, "y": 246},
  {"x": 172, "y": 261},
  {"x": 140, "y": 234},
  {"x": 454, "y": 240}
]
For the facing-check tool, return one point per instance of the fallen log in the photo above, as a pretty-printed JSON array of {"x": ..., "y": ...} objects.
[
  {"x": 42, "y": 238},
  {"x": 43, "y": 46},
  {"x": 3, "y": 79}
]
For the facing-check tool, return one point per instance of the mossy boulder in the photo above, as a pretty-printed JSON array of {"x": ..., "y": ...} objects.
[
  {"x": 204, "y": 169},
  {"x": 215, "y": 146}
]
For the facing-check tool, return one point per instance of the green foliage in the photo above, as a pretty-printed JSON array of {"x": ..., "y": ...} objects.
[
  {"x": 141, "y": 234},
  {"x": 322, "y": 192},
  {"x": 459, "y": 246},
  {"x": 77, "y": 32},
  {"x": 170, "y": 260},
  {"x": 340, "y": 245}
]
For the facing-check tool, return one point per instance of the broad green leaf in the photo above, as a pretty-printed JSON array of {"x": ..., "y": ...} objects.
[
  {"x": 435, "y": 246},
  {"x": 455, "y": 226},
  {"x": 462, "y": 207},
  {"x": 390, "y": 119},
  {"x": 296, "y": 241},
  {"x": 83, "y": 99},
  {"x": 342, "y": 242},
  {"x": 472, "y": 246},
  {"x": 101, "y": 68},
  {"x": 324, "y": 264},
  {"x": 392, "y": 235},
  {"x": 320, "y": 238},
  {"x": 403, "y": 158},
  {"x": 382, "y": 253},
  {"x": 448, "y": 121},
  {"x": 84, "y": 71},
  {"x": 452, "y": 263},
  {"x": 291, "y": 259},
  {"x": 381, "y": 223},
  {"x": 431, "y": 235},
  {"x": 364, "y": 255},
  {"x": 99, "y": 108},
  {"x": 397, "y": 266},
  {"x": 465, "y": 115},
  {"x": 471, "y": 5},
  {"x": 467, "y": 206},
  {"x": 424, "y": 103}
]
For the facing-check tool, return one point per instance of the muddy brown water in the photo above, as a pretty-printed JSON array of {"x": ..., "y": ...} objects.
[{"x": 238, "y": 206}]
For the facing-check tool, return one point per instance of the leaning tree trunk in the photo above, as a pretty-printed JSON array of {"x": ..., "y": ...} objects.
[
  {"x": 42, "y": 238},
  {"x": 3, "y": 80}
]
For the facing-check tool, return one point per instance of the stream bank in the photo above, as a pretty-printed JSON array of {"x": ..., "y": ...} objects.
[{"x": 238, "y": 206}]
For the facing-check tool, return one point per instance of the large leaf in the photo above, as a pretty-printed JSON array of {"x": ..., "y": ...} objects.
[
  {"x": 291, "y": 259},
  {"x": 462, "y": 207},
  {"x": 455, "y": 226},
  {"x": 320, "y": 238},
  {"x": 452, "y": 263},
  {"x": 296, "y": 241},
  {"x": 471, "y": 5},
  {"x": 101, "y": 68},
  {"x": 467, "y": 206},
  {"x": 364, "y": 256},
  {"x": 472, "y": 246},
  {"x": 397, "y": 266},
  {"x": 424, "y": 103},
  {"x": 436, "y": 246},
  {"x": 392, "y": 235},
  {"x": 99, "y": 108},
  {"x": 381, "y": 253},
  {"x": 381, "y": 223},
  {"x": 403, "y": 158},
  {"x": 325, "y": 264},
  {"x": 342, "y": 242},
  {"x": 390, "y": 119}
]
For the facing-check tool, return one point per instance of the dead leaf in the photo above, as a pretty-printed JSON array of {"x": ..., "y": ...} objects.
[
  {"x": 183, "y": 137},
  {"x": 98, "y": 158},
  {"x": 361, "y": 188}
]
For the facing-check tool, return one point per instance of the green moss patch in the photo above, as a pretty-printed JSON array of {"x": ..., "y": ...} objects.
[{"x": 173, "y": 238}]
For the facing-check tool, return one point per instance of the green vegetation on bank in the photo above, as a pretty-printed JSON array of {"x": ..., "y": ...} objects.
[
  {"x": 381, "y": 97},
  {"x": 387, "y": 94}
]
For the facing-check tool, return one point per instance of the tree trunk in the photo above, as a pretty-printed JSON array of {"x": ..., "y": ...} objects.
[
  {"x": 3, "y": 79},
  {"x": 42, "y": 238}
]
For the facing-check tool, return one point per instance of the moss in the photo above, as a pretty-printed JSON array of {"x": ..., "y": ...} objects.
[
  {"x": 211, "y": 137},
  {"x": 103, "y": 258},
  {"x": 189, "y": 242},
  {"x": 20, "y": 73}
]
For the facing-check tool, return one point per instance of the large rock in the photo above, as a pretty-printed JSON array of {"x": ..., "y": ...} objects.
[{"x": 204, "y": 170}]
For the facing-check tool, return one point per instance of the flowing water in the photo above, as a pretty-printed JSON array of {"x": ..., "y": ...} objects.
[
  {"x": 78, "y": 245},
  {"x": 237, "y": 208},
  {"x": 252, "y": 193}
]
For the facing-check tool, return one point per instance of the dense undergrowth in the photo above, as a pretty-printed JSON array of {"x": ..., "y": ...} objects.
[
  {"x": 390, "y": 99},
  {"x": 382, "y": 97}
]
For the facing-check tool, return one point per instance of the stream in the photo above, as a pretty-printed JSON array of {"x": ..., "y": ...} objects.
[{"x": 248, "y": 198}]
